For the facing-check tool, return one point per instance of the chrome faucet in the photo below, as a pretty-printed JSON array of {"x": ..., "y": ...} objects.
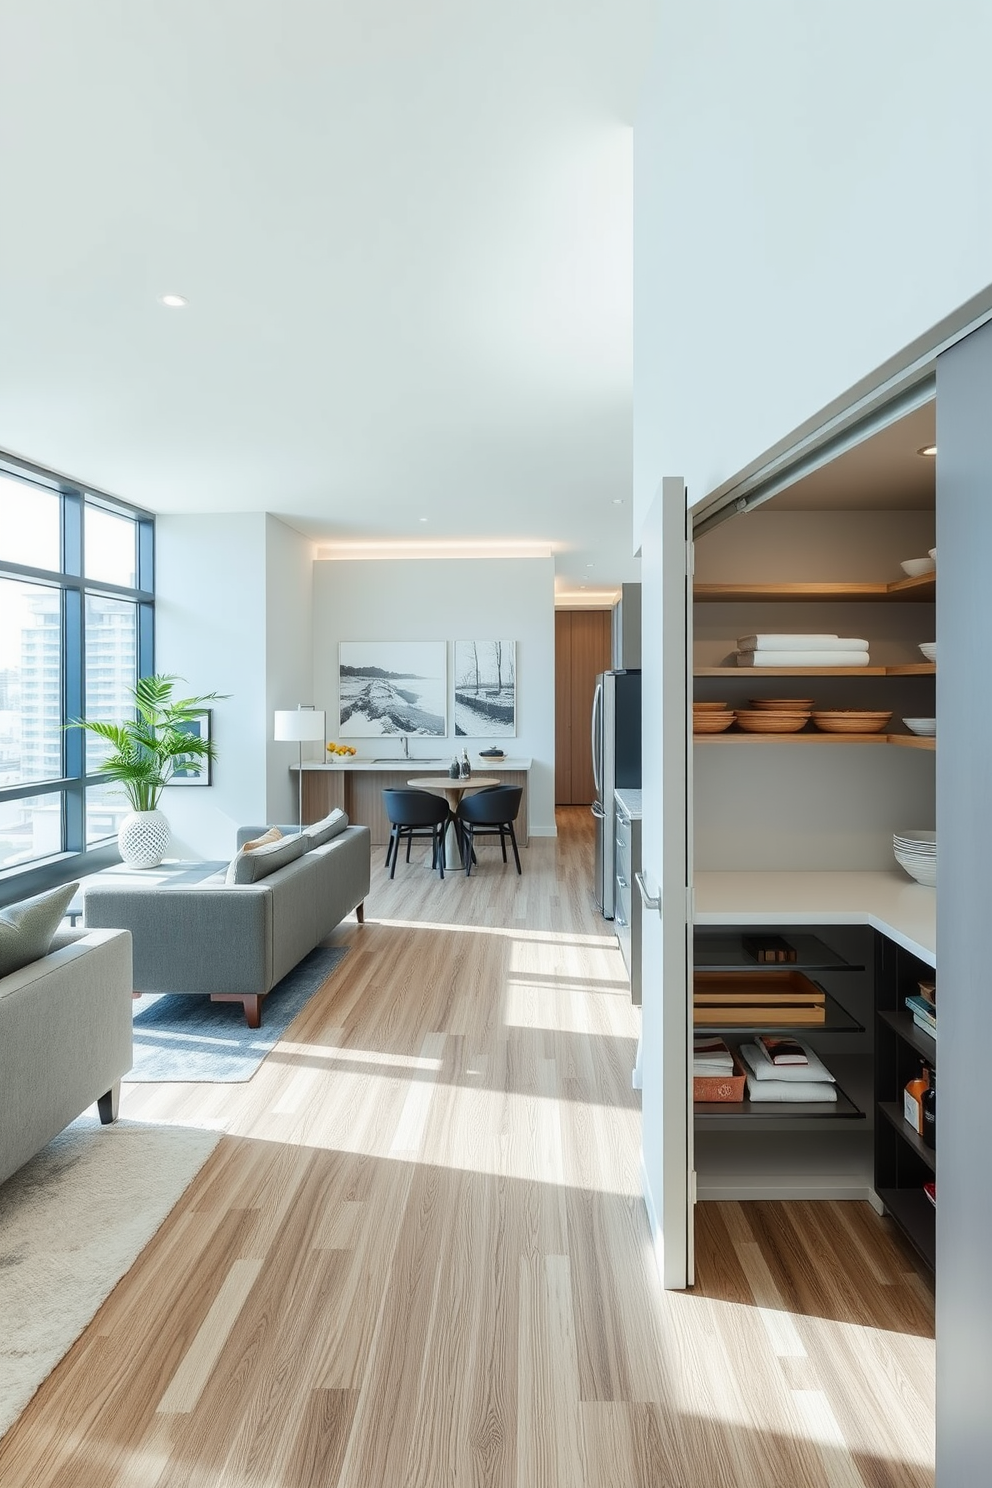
[{"x": 406, "y": 746}]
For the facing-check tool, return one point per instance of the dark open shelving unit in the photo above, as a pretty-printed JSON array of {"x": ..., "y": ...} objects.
[{"x": 716, "y": 950}]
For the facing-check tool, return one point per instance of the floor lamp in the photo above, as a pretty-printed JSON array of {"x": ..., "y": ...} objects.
[{"x": 299, "y": 726}]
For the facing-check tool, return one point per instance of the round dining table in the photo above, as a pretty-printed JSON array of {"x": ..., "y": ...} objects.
[{"x": 453, "y": 791}]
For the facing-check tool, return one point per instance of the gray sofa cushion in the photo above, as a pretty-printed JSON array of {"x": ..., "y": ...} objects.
[
  {"x": 28, "y": 928},
  {"x": 250, "y": 867},
  {"x": 329, "y": 826}
]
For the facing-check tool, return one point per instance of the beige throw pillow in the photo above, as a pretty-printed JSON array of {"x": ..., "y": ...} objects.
[
  {"x": 250, "y": 867},
  {"x": 272, "y": 835},
  {"x": 27, "y": 929}
]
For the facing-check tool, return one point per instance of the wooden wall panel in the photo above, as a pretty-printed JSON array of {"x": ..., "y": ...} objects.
[
  {"x": 359, "y": 792},
  {"x": 582, "y": 649}
]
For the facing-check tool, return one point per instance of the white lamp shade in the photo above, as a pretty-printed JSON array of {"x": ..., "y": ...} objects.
[{"x": 298, "y": 725}]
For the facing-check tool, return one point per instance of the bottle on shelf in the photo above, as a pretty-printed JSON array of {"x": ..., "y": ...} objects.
[
  {"x": 465, "y": 769},
  {"x": 929, "y": 1132},
  {"x": 912, "y": 1102}
]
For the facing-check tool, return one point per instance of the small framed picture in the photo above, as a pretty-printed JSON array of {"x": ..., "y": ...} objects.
[{"x": 196, "y": 771}]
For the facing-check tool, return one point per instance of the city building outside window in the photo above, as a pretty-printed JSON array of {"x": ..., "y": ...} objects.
[{"x": 76, "y": 631}]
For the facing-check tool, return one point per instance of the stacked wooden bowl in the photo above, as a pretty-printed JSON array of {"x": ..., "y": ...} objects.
[
  {"x": 771, "y": 720},
  {"x": 850, "y": 721},
  {"x": 711, "y": 718}
]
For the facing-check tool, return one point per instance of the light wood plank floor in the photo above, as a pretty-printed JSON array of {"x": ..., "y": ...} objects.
[{"x": 419, "y": 1255}]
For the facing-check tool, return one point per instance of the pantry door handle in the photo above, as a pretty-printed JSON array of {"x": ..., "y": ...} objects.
[{"x": 648, "y": 900}]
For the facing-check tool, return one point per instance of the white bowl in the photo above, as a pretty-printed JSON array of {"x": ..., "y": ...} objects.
[
  {"x": 913, "y": 568},
  {"x": 929, "y": 649},
  {"x": 922, "y": 869},
  {"x": 926, "y": 727},
  {"x": 933, "y": 554}
]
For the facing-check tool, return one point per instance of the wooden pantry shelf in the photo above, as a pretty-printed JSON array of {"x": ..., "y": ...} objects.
[
  {"x": 755, "y": 674},
  {"x": 918, "y": 590},
  {"x": 913, "y": 669},
  {"x": 815, "y": 736},
  {"x": 914, "y": 741}
]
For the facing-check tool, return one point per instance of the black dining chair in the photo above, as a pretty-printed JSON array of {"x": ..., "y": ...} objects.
[
  {"x": 415, "y": 813},
  {"x": 489, "y": 813}
]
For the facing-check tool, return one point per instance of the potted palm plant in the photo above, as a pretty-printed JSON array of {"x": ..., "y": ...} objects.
[{"x": 145, "y": 753}]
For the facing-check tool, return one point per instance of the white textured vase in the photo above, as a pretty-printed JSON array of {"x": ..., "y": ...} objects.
[{"x": 143, "y": 838}]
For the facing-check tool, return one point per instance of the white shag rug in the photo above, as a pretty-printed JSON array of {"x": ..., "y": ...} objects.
[{"x": 72, "y": 1222}]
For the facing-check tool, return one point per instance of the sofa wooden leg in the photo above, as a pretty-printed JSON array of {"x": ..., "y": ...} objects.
[
  {"x": 109, "y": 1104},
  {"x": 252, "y": 1005},
  {"x": 360, "y": 912}
]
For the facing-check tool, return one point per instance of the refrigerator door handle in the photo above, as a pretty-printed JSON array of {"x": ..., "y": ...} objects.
[
  {"x": 649, "y": 900},
  {"x": 597, "y": 734},
  {"x": 597, "y": 811}
]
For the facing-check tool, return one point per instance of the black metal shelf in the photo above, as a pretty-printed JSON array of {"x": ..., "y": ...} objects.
[
  {"x": 836, "y": 1019},
  {"x": 916, "y": 1217},
  {"x": 713, "y": 951},
  {"x": 905, "y": 1025},
  {"x": 893, "y": 1113},
  {"x": 737, "y": 1115}
]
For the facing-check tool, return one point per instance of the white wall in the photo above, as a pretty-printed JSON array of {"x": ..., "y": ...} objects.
[
  {"x": 450, "y": 599},
  {"x": 809, "y": 196},
  {"x": 288, "y": 656}
]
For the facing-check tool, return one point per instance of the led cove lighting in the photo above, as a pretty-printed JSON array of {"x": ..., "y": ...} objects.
[
  {"x": 927, "y": 449},
  {"x": 174, "y": 301}
]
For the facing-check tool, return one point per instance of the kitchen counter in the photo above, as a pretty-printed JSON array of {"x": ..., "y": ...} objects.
[
  {"x": 630, "y": 800},
  {"x": 435, "y": 766},
  {"x": 887, "y": 900}
]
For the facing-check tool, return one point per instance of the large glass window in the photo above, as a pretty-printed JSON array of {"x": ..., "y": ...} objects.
[{"x": 75, "y": 635}]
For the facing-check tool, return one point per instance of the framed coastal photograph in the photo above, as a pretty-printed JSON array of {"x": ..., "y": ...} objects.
[
  {"x": 392, "y": 688},
  {"x": 485, "y": 689},
  {"x": 198, "y": 771}
]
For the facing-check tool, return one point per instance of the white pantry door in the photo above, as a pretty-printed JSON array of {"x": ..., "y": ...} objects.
[{"x": 665, "y": 882}]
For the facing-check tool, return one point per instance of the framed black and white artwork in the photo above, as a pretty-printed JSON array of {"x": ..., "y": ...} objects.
[
  {"x": 392, "y": 688},
  {"x": 485, "y": 689},
  {"x": 197, "y": 771}
]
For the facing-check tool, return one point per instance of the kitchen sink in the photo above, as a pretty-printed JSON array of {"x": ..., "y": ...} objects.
[{"x": 393, "y": 759}]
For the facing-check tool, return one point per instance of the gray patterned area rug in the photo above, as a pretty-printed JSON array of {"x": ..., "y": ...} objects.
[
  {"x": 72, "y": 1221},
  {"x": 178, "y": 1037}
]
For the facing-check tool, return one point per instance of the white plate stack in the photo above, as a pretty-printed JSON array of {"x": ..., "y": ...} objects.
[{"x": 916, "y": 851}]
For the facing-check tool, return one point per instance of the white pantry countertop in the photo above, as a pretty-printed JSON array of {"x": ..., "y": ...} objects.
[
  {"x": 630, "y": 800},
  {"x": 436, "y": 766},
  {"x": 887, "y": 900}
]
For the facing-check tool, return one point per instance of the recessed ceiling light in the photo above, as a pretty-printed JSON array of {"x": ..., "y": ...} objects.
[
  {"x": 174, "y": 301},
  {"x": 618, "y": 501},
  {"x": 590, "y": 565},
  {"x": 927, "y": 449},
  {"x": 421, "y": 519}
]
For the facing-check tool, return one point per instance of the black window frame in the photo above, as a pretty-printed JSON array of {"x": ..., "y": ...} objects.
[{"x": 70, "y": 579}]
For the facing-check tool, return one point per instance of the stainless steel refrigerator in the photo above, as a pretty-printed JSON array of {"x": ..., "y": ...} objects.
[{"x": 616, "y": 763}]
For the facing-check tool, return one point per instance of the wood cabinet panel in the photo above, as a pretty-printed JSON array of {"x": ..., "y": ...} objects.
[
  {"x": 359, "y": 792},
  {"x": 582, "y": 650}
]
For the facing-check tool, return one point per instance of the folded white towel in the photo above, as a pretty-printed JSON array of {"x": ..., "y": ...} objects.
[
  {"x": 800, "y": 643},
  {"x": 803, "y": 1092},
  {"x": 712, "y": 1071},
  {"x": 802, "y": 658},
  {"x": 761, "y": 1065}
]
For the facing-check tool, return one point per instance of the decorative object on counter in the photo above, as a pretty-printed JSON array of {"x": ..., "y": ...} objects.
[
  {"x": 485, "y": 688},
  {"x": 781, "y": 705},
  {"x": 766, "y": 721},
  {"x": 925, "y": 727},
  {"x": 301, "y": 725},
  {"x": 464, "y": 768},
  {"x": 768, "y": 949},
  {"x": 850, "y": 721},
  {"x": 392, "y": 687},
  {"x": 929, "y": 649},
  {"x": 454, "y": 770},
  {"x": 929, "y": 1104},
  {"x": 912, "y": 1098},
  {"x": 169, "y": 736},
  {"x": 494, "y": 753},
  {"x": 915, "y": 568},
  {"x": 790, "y": 650},
  {"x": 711, "y": 723},
  {"x": 916, "y": 851},
  {"x": 338, "y": 752}
]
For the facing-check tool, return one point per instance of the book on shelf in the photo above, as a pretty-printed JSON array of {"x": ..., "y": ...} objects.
[
  {"x": 921, "y": 1009},
  {"x": 930, "y": 1189},
  {"x": 925, "y": 1026}
]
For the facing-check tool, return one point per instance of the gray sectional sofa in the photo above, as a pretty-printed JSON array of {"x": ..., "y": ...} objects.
[
  {"x": 233, "y": 941},
  {"x": 65, "y": 1039}
]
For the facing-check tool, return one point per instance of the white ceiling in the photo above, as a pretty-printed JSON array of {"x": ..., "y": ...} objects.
[{"x": 404, "y": 230}]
